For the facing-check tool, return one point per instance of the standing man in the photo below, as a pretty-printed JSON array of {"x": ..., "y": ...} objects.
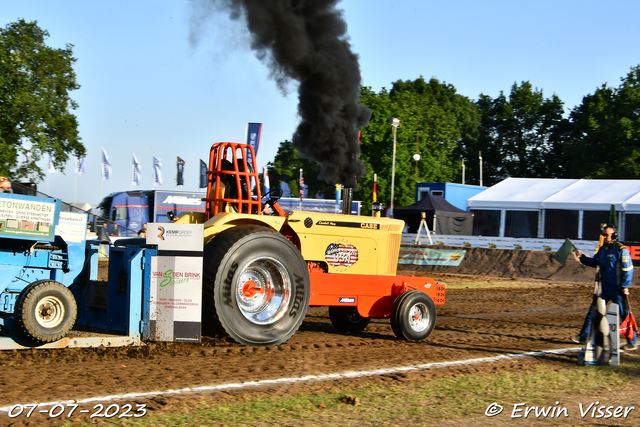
[
  {"x": 616, "y": 272},
  {"x": 103, "y": 233}
]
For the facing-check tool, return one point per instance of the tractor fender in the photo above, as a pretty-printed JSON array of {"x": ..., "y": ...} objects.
[{"x": 225, "y": 221}]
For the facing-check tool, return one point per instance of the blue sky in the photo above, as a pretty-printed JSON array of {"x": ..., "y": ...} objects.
[{"x": 148, "y": 89}]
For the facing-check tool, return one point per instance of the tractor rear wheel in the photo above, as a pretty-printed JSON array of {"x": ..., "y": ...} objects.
[
  {"x": 256, "y": 285},
  {"x": 45, "y": 311},
  {"x": 413, "y": 316},
  {"x": 347, "y": 319}
]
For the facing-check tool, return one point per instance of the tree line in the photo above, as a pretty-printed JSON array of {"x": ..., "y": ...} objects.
[{"x": 519, "y": 134}]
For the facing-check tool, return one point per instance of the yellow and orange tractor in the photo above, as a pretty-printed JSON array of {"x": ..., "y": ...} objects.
[{"x": 263, "y": 270}]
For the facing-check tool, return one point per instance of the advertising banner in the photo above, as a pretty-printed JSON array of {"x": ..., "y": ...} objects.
[
  {"x": 176, "y": 292},
  {"x": 72, "y": 226},
  {"x": 527, "y": 244},
  {"x": 428, "y": 256},
  {"x": 176, "y": 282},
  {"x": 28, "y": 217}
]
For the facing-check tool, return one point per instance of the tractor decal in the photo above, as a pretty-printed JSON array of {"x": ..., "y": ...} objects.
[
  {"x": 364, "y": 225},
  {"x": 341, "y": 254}
]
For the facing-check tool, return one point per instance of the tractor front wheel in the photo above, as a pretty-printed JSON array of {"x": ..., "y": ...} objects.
[
  {"x": 45, "y": 311},
  {"x": 413, "y": 316}
]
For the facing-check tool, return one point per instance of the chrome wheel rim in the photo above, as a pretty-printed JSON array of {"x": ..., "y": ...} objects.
[
  {"x": 263, "y": 290},
  {"x": 419, "y": 317}
]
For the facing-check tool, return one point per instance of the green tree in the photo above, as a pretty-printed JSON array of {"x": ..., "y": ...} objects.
[
  {"x": 35, "y": 117},
  {"x": 605, "y": 132},
  {"x": 434, "y": 120},
  {"x": 518, "y": 137}
]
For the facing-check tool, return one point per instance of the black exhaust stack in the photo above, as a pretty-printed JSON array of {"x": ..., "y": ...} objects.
[{"x": 347, "y": 199}]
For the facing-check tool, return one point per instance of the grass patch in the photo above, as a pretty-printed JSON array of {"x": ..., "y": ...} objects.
[{"x": 418, "y": 401}]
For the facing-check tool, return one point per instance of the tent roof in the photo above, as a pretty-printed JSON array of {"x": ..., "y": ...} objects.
[
  {"x": 573, "y": 194},
  {"x": 430, "y": 203}
]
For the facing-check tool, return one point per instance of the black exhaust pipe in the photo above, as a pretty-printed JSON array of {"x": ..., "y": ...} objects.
[{"x": 347, "y": 199}]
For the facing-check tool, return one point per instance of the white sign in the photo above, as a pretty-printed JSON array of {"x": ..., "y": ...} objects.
[
  {"x": 176, "y": 282},
  {"x": 72, "y": 226},
  {"x": 176, "y": 237}
]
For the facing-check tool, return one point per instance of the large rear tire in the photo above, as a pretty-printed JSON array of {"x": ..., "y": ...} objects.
[
  {"x": 413, "y": 316},
  {"x": 256, "y": 285},
  {"x": 45, "y": 311}
]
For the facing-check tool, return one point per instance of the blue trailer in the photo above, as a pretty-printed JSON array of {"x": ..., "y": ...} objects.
[
  {"x": 42, "y": 255},
  {"x": 132, "y": 209},
  {"x": 52, "y": 295}
]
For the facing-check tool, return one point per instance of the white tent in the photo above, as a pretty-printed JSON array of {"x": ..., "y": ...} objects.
[{"x": 570, "y": 206}]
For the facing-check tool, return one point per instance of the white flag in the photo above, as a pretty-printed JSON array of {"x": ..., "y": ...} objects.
[
  {"x": 79, "y": 165},
  {"x": 135, "y": 171},
  {"x": 157, "y": 173},
  {"x": 265, "y": 179},
  {"x": 106, "y": 166},
  {"x": 51, "y": 168}
]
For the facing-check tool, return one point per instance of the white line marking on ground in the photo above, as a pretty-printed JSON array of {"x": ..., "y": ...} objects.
[{"x": 384, "y": 371}]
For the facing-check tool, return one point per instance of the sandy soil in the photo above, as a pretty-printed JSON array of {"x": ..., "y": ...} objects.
[{"x": 532, "y": 305}]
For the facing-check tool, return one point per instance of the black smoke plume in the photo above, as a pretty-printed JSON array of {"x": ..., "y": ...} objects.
[{"x": 306, "y": 41}]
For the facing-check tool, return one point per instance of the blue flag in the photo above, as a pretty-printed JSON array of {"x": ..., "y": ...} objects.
[
  {"x": 253, "y": 135},
  {"x": 180, "y": 167},
  {"x": 203, "y": 174},
  {"x": 253, "y": 139}
]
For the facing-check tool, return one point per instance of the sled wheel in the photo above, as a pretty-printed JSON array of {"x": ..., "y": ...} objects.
[
  {"x": 395, "y": 321},
  {"x": 256, "y": 285},
  {"x": 413, "y": 316},
  {"x": 347, "y": 319},
  {"x": 45, "y": 311}
]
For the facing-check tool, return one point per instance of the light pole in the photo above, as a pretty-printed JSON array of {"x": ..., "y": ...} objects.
[{"x": 395, "y": 123}]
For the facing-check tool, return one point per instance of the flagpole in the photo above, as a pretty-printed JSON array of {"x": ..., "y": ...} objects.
[{"x": 74, "y": 186}]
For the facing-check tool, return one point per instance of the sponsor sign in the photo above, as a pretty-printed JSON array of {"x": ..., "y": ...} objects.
[
  {"x": 27, "y": 217},
  {"x": 175, "y": 298},
  {"x": 72, "y": 226},
  {"x": 176, "y": 237},
  {"x": 527, "y": 244},
  {"x": 176, "y": 282},
  {"x": 347, "y": 300},
  {"x": 428, "y": 256}
]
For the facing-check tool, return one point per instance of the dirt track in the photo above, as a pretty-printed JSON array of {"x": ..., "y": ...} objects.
[{"x": 475, "y": 322}]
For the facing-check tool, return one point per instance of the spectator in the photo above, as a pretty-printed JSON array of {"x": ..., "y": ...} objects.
[
  {"x": 5, "y": 185},
  {"x": 103, "y": 233},
  {"x": 143, "y": 231},
  {"x": 115, "y": 231}
]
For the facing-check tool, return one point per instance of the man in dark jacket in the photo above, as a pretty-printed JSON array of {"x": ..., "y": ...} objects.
[
  {"x": 616, "y": 273},
  {"x": 103, "y": 233}
]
